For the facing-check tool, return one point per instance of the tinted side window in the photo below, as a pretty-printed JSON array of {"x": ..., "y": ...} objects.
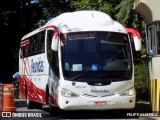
[
  {"x": 33, "y": 45},
  {"x": 52, "y": 55},
  {"x": 36, "y": 45},
  {"x": 41, "y": 42},
  {"x": 25, "y": 45},
  {"x": 24, "y": 50}
]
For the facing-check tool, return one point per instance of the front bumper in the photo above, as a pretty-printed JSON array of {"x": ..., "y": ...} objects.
[{"x": 84, "y": 102}]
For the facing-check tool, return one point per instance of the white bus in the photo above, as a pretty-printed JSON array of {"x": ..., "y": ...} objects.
[{"x": 79, "y": 61}]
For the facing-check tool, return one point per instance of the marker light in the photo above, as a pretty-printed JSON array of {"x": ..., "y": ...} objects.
[{"x": 129, "y": 92}]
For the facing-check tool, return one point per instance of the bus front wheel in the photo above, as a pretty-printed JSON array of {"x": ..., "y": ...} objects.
[{"x": 54, "y": 111}]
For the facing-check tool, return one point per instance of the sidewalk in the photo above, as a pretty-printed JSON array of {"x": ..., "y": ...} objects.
[{"x": 155, "y": 118}]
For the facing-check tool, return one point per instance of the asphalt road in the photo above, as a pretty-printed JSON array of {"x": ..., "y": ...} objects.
[{"x": 43, "y": 114}]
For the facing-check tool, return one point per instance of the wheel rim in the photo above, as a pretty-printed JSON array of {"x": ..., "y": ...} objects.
[{"x": 27, "y": 100}]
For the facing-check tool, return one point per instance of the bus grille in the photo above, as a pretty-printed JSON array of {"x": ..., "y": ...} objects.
[{"x": 86, "y": 95}]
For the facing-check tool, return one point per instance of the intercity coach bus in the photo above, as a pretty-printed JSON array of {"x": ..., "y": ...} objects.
[{"x": 79, "y": 61}]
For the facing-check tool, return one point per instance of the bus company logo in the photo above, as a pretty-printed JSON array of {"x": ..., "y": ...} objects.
[
  {"x": 73, "y": 83},
  {"x": 100, "y": 91},
  {"x": 37, "y": 66}
]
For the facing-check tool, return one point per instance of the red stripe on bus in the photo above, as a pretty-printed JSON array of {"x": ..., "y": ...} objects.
[
  {"x": 35, "y": 93},
  {"x": 134, "y": 32},
  {"x": 23, "y": 43},
  {"x": 50, "y": 26}
]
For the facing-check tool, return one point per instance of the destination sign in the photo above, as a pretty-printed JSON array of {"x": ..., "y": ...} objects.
[{"x": 82, "y": 36}]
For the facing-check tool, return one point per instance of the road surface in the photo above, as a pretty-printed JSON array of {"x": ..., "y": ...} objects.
[{"x": 43, "y": 114}]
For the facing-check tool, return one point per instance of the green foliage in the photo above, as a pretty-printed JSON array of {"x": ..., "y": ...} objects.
[
  {"x": 120, "y": 10},
  {"x": 99, "y": 5},
  {"x": 52, "y": 8},
  {"x": 142, "y": 81},
  {"x": 124, "y": 10},
  {"x": 16, "y": 19}
]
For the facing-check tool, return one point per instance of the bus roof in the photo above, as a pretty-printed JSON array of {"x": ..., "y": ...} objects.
[{"x": 81, "y": 21}]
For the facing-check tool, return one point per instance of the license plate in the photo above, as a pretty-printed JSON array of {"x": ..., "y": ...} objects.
[{"x": 100, "y": 103}]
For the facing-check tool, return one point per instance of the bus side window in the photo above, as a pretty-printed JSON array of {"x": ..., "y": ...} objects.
[
  {"x": 136, "y": 54},
  {"x": 24, "y": 50},
  {"x": 23, "y": 55},
  {"x": 33, "y": 45},
  {"x": 55, "y": 63},
  {"x": 52, "y": 55},
  {"x": 41, "y": 39}
]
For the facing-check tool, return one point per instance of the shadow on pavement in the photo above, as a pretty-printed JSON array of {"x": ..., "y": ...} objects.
[
  {"x": 20, "y": 103},
  {"x": 143, "y": 108},
  {"x": 98, "y": 114},
  {"x": 109, "y": 114}
]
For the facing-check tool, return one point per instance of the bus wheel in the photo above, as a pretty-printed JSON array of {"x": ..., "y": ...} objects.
[
  {"x": 38, "y": 106},
  {"x": 54, "y": 111},
  {"x": 30, "y": 104}
]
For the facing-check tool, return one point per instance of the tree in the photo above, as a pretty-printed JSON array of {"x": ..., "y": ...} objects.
[
  {"x": 106, "y": 6},
  {"x": 129, "y": 18},
  {"x": 16, "y": 19},
  {"x": 52, "y": 8},
  {"x": 124, "y": 10}
]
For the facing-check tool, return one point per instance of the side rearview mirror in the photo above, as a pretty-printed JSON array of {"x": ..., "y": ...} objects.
[
  {"x": 55, "y": 40},
  {"x": 136, "y": 38}
]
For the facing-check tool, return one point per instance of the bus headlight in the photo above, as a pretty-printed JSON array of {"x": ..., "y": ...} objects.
[
  {"x": 129, "y": 92},
  {"x": 67, "y": 93}
]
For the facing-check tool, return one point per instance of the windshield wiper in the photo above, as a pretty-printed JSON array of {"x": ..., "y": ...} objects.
[
  {"x": 79, "y": 75},
  {"x": 112, "y": 76}
]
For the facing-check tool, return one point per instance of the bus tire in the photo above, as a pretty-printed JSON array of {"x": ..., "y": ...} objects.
[
  {"x": 54, "y": 111},
  {"x": 38, "y": 105},
  {"x": 47, "y": 95},
  {"x": 29, "y": 103}
]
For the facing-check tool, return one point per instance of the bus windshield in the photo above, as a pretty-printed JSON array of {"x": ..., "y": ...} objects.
[{"x": 96, "y": 55}]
